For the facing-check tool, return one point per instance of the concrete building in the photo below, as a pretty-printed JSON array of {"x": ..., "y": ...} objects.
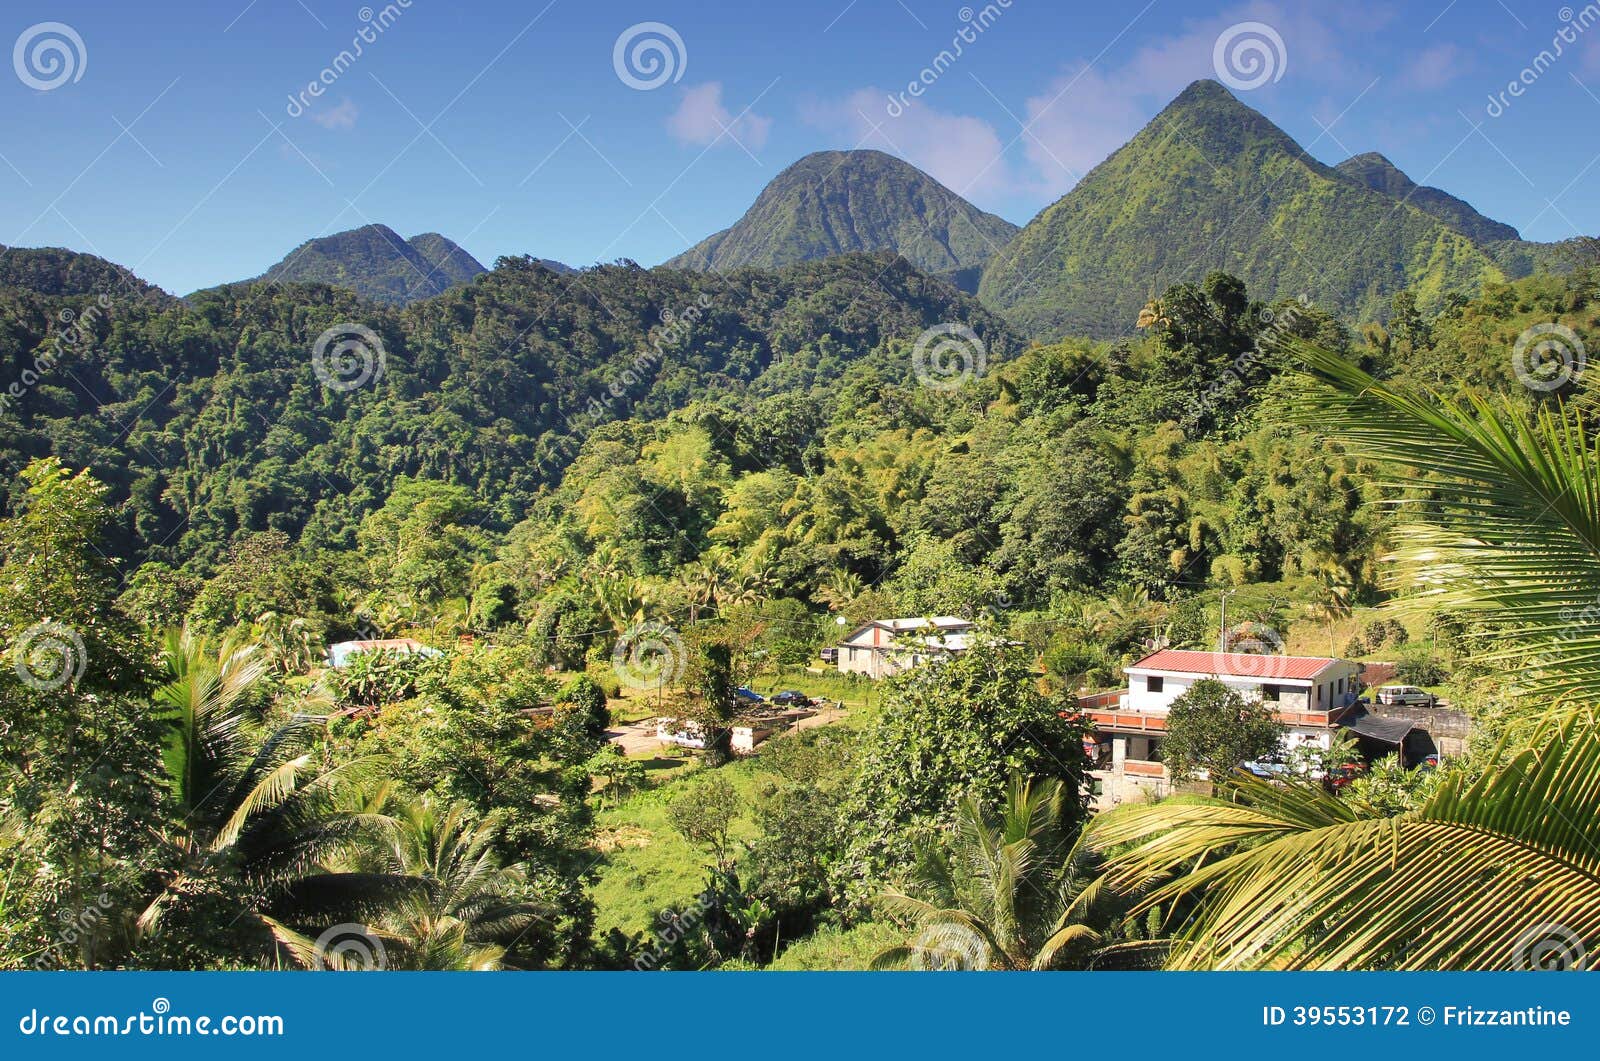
[
  {"x": 1310, "y": 696},
  {"x": 888, "y": 646}
]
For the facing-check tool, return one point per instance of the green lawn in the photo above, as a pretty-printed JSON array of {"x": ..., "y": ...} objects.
[
  {"x": 646, "y": 866},
  {"x": 833, "y": 949},
  {"x": 824, "y": 684}
]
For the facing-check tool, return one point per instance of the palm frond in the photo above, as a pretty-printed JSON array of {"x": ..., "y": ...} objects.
[
  {"x": 1467, "y": 881},
  {"x": 1500, "y": 513}
]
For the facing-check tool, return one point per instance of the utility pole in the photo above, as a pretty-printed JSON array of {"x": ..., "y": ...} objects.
[{"x": 1222, "y": 629}]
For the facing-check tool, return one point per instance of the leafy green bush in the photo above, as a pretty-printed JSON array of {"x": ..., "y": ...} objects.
[
  {"x": 947, "y": 729},
  {"x": 1419, "y": 669},
  {"x": 581, "y": 715}
]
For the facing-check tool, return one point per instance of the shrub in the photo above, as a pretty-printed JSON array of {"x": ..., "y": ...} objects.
[
  {"x": 581, "y": 715},
  {"x": 1419, "y": 670}
]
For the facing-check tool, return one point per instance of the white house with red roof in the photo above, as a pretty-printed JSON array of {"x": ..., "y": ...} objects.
[{"x": 1309, "y": 694}]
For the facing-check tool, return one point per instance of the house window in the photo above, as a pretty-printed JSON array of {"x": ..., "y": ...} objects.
[
  {"x": 1154, "y": 684},
  {"x": 1271, "y": 692}
]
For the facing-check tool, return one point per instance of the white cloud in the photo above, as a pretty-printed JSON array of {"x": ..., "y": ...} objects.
[
  {"x": 963, "y": 153},
  {"x": 342, "y": 116},
  {"x": 1083, "y": 116},
  {"x": 702, "y": 119},
  {"x": 1434, "y": 67},
  {"x": 1086, "y": 111}
]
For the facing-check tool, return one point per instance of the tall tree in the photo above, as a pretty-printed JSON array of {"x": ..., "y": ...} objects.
[{"x": 82, "y": 791}]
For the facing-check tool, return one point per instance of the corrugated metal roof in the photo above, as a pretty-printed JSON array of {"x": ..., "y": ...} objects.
[
  {"x": 1387, "y": 730},
  {"x": 1236, "y": 664}
]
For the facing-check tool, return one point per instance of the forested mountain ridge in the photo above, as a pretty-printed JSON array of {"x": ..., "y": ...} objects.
[
  {"x": 1379, "y": 174},
  {"x": 1212, "y": 184},
  {"x": 209, "y": 419},
  {"x": 375, "y": 262},
  {"x": 835, "y": 202},
  {"x": 57, "y": 271}
]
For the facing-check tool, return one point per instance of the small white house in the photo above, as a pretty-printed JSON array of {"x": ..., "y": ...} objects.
[
  {"x": 1293, "y": 683},
  {"x": 1309, "y": 695},
  {"x": 340, "y": 652},
  {"x": 888, "y": 646}
]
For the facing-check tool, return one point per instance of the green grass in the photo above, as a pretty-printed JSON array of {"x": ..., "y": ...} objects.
[
  {"x": 834, "y": 949},
  {"x": 825, "y": 684},
  {"x": 647, "y": 865}
]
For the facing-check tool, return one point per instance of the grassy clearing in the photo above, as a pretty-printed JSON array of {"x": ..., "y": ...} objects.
[
  {"x": 834, "y": 950},
  {"x": 646, "y": 865},
  {"x": 820, "y": 683}
]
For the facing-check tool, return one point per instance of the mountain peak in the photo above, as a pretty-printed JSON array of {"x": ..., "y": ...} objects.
[
  {"x": 1374, "y": 171},
  {"x": 1212, "y": 184},
  {"x": 1371, "y": 158},
  {"x": 1204, "y": 89},
  {"x": 837, "y": 202},
  {"x": 376, "y": 262}
]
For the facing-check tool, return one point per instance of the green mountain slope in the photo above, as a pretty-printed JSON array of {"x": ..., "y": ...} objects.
[
  {"x": 58, "y": 271},
  {"x": 1212, "y": 184},
  {"x": 375, "y": 262},
  {"x": 1378, "y": 173},
  {"x": 447, "y": 258},
  {"x": 210, "y": 417},
  {"x": 835, "y": 202}
]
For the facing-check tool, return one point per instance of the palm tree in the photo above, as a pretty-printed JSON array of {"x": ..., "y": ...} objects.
[
  {"x": 256, "y": 808},
  {"x": 1490, "y": 872},
  {"x": 1512, "y": 529},
  {"x": 1006, "y": 896},
  {"x": 461, "y": 908},
  {"x": 1495, "y": 870}
]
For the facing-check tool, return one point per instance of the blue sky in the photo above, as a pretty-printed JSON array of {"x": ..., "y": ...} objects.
[{"x": 508, "y": 127}]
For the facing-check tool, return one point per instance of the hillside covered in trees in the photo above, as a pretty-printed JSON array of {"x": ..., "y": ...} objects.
[{"x": 535, "y": 470}]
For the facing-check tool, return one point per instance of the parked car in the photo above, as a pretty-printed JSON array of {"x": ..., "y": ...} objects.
[
  {"x": 1267, "y": 768},
  {"x": 792, "y": 698},
  {"x": 829, "y": 655},
  {"x": 1340, "y": 776},
  {"x": 749, "y": 695},
  {"x": 1393, "y": 695}
]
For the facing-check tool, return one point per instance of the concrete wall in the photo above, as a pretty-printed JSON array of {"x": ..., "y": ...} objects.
[
  {"x": 1448, "y": 726},
  {"x": 1292, "y": 695}
]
